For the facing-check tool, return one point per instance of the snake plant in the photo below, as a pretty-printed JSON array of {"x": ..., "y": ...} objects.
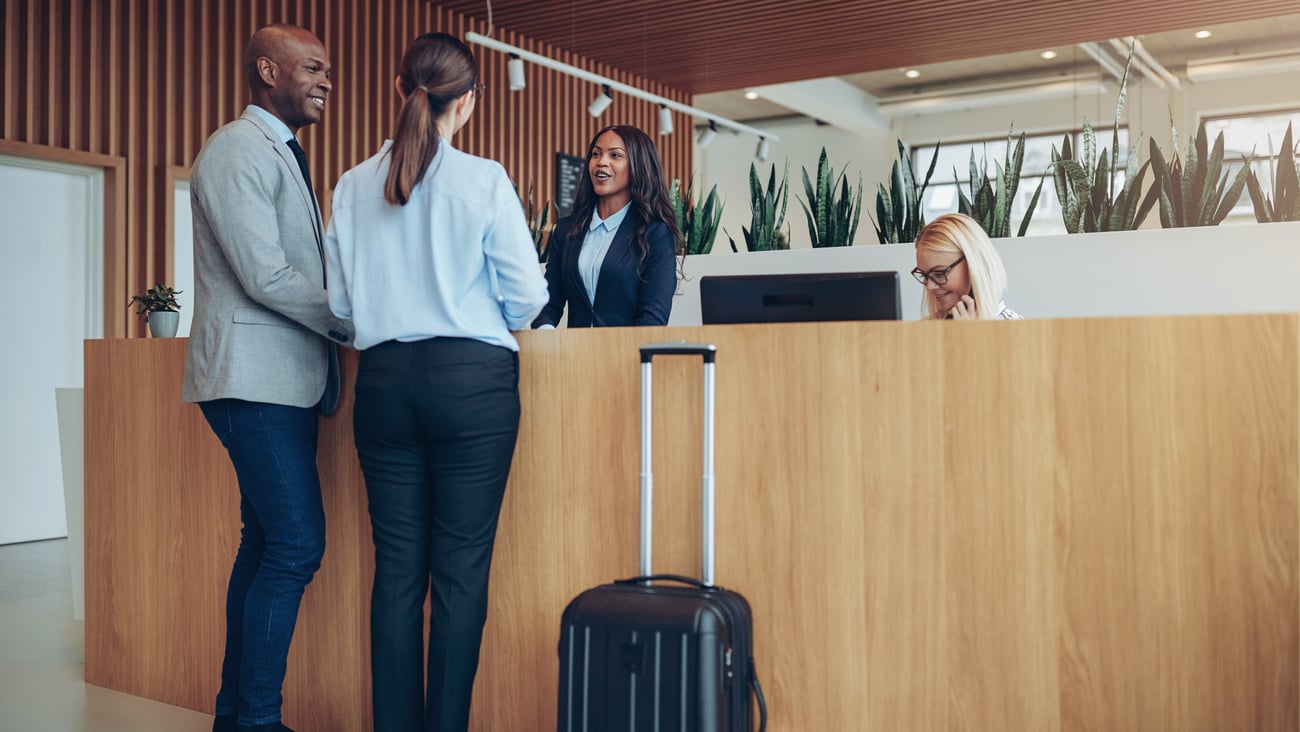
[
  {"x": 768, "y": 212},
  {"x": 899, "y": 216},
  {"x": 696, "y": 219},
  {"x": 1285, "y": 203},
  {"x": 1086, "y": 186},
  {"x": 990, "y": 205},
  {"x": 832, "y": 219},
  {"x": 1193, "y": 193}
]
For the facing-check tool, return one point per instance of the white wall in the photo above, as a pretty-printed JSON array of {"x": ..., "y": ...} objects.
[
  {"x": 1210, "y": 270},
  {"x": 1146, "y": 109},
  {"x": 52, "y": 247},
  {"x": 726, "y": 163}
]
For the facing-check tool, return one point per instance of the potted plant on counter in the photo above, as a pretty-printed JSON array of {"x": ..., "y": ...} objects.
[
  {"x": 990, "y": 200},
  {"x": 1284, "y": 205},
  {"x": 832, "y": 219},
  {"x": 697, "y": 218},
  {"x": 157, "y": 306},
  {"x": 899, "y": 213},
  {"x": 1091, "y": 198},
  {"x": 1196, "y": 192},
  {"x": 767, "y": 213}
]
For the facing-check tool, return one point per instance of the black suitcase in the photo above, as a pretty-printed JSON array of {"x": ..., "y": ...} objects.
[{"x": 637, "y": 656}]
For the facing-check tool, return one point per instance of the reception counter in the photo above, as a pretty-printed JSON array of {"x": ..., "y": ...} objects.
[{"x": 1037, "y": 525}]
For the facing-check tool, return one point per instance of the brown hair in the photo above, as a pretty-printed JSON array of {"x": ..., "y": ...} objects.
[
  {"x": 437, "y": 69},
  {"x": 646, "y": 184}
]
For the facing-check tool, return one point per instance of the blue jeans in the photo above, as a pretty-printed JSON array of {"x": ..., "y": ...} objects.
[{"x": 273, "y": 449}]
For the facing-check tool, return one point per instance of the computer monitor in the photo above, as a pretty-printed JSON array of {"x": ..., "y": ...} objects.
[{"x": 800, "y": 298}]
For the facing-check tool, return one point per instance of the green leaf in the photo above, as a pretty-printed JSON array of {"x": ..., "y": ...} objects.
[
  {"x": 856, "y": 207},
  {"x": 1127, "y": 204},
  {"x": 1233, "y": 195},
  {"x": 903, "y": 221},
  {"x": 1148, "y": 202},
  {"x": 1089, "y": 153},
  {"x": 824, "y": 193},
  {"x": 1192, "y": 180},
  {"x": 1176, "y": 193},
  {"x": 1286, "y": 197},
  {"x": 1001, "y": 206},
  {"x": 963, "y": 203},
  {"x": 783, "y": 194},
  {"x": 1213, "y": 168},
  {"x": 1029, "y": 212},
  {"x": 810, "y": 195},
  {"x": 885, "y": 228},
  {"x": 1257, "y": 200},
  {"x": 908, "y": 184},
  {"x": 812, "y": 230},
  {"x": 1013, "y": 168}
]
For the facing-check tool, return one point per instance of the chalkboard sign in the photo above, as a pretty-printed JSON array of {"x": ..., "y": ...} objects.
[{"x": 568, "y": 174}]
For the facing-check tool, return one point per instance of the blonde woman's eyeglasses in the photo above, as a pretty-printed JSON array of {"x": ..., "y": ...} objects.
[{"x": 937, "y": 276}]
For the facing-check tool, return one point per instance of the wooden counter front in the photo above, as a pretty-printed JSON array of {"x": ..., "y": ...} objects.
[{"x": 1038, "y": 525}]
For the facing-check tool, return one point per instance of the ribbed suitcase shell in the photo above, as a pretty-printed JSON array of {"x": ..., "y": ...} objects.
[{"x": 642, "y": 658}]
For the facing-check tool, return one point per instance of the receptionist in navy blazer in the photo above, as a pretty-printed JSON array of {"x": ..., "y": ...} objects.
[{"x": 613, "y": 260}]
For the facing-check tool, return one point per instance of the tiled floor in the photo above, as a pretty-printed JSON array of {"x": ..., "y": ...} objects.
[{"x": 42, "y": 657}]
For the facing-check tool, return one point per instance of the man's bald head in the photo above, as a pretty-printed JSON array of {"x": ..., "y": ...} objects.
[
  {"x": 275, "y": 42},
  {"x": 288, "y": 73}
]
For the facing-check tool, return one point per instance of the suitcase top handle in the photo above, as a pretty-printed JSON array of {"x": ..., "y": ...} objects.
[
  {"x": 708, "y": 352},
  {"x": 667, "y": 578},
  {"x": 678, "y": 348}
]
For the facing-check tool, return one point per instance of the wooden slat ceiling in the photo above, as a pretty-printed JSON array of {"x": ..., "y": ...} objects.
[{"x": 701, "y": 46}]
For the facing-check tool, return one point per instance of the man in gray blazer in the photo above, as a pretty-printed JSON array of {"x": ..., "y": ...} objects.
[{"x": 260, "y": 356}]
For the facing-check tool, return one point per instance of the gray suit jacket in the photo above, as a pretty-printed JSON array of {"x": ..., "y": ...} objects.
[{"x": 262, "y": 323}]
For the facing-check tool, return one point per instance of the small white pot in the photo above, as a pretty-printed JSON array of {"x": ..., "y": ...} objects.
[{"x": 163, "y": 324}]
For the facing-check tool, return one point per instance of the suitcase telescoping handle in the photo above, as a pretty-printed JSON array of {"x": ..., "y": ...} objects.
[{"x": 677, "y": 348}]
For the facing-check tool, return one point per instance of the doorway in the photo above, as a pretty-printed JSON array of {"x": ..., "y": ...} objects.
[{"x": 53, "y": 279}]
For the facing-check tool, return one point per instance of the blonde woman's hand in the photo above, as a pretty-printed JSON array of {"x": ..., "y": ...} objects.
[{"x": 964, "y": 309}]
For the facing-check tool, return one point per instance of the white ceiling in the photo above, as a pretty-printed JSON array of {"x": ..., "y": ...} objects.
[{"x": 1174, "y": 50}]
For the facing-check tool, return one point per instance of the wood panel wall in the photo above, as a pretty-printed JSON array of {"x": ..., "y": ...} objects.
[
  {"x": 148, "y": 80},
  {"x": 1039, "y": 525}
]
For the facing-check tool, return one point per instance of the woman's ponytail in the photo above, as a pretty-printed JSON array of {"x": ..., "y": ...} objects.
[{"x": 437, "y": 69}]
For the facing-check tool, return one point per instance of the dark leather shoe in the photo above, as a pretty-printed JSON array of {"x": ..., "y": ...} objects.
[
  {"x": 224, "y": 723},
  {"x": 272, "y": 727}
]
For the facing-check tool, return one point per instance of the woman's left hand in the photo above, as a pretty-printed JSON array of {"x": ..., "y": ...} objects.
[{"x": 964, "y": 309}]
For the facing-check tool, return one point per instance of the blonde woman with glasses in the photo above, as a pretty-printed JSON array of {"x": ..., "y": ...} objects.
[{"x": 961, "y": 272}]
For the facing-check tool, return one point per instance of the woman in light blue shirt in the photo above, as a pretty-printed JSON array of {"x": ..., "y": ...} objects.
[
  {"x": 613, "y": 260},
  {"x": 430, "y": 257}
]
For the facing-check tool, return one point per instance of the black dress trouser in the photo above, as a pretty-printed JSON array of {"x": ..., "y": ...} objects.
[{"x": 435, "y": 424}]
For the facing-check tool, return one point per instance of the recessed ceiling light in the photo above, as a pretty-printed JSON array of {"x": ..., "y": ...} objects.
[
  {"x": 1049, "y": 55},
  {"x": 751, "y": 95},
  {"x": 1204, "y": 33},
  {"x": 911, "y": 73}
]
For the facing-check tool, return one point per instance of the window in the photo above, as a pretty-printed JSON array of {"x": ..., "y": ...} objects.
[
  {"x": 1260, "y": 134},
  {"x": 953, "y": 171}
]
